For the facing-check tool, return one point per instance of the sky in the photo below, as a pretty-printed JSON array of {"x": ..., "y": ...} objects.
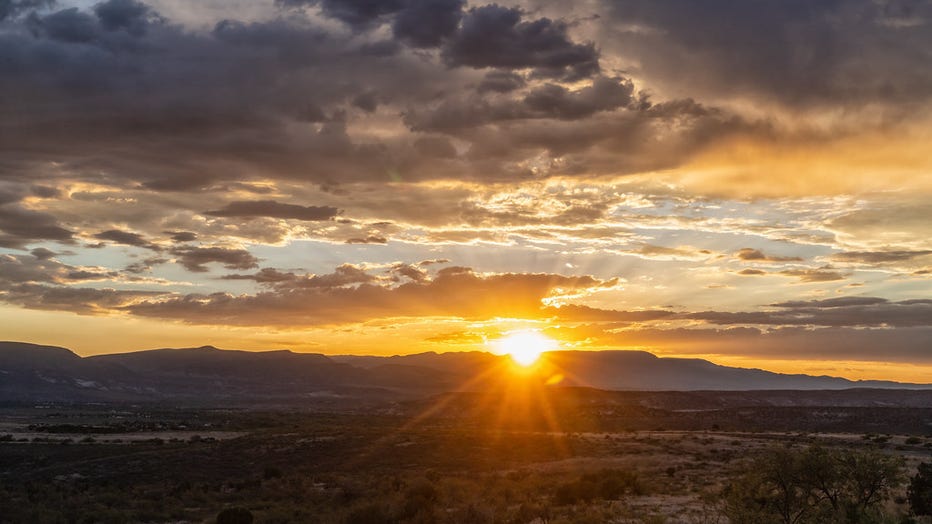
[{"x": 747, "y": 182}]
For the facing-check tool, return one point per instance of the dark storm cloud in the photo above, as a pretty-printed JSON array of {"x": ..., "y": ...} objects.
[
  {"x": 127, "y": 238},
  {"x": 272, "y": 209},
  {"x": 46, "y": 191},
  {"x": 368, "y": 102},
  {"x": 496, "y": 36},
  {"x": 196, "y": 258},
  {"x": 426, "y": 23},
  {"x": 75, "y": 26},
  {"x": 274, "y": 100},
  {"x": 555, "y": 101},
  {"x": 501, "y": 82},
  {"x": 435, "y": 147},
  {"x": 797, "y": 51},
  {"x": 67, "y": 25},
  {"x": 77, "y": 78},
  {"x": 128, "y": 15},
  {"x": 359, "y": 14},
  {"x": 10, "y": 8},
  {"x": 548, "y": 101}
]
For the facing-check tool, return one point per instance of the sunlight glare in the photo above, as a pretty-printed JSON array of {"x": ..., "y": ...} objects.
[{"x": 525, "y": 347}]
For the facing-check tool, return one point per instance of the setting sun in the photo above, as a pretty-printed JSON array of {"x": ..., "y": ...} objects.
[{"x": 525, "y": 347}]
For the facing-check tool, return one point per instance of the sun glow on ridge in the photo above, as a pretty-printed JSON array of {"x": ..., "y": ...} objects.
[{"x": 524, "y": 347}]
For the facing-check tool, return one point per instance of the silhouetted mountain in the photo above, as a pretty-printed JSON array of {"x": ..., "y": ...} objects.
[
  {"x": 207, "y": 375},
  {"x": 30, "y": 373},
  {"x": 639, "y": 370},
  {"x": 629, "y": 370}
]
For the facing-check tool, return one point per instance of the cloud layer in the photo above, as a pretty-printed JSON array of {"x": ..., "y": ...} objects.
[{"x": 635, "y": 173}]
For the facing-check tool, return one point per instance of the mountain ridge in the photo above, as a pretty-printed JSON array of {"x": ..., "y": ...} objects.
[{"x": 206, "y": 374}]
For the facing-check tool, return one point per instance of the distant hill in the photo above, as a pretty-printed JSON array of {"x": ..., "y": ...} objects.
[
  {"x": 208, "y": 375},
  {"x": 632, "y": 370}
]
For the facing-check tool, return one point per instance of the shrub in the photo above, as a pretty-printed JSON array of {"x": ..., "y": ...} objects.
[
  {"x": 235, "y": 516},
  {"x": 919, "y": 492},
  {"x": 813, "y": 486}
]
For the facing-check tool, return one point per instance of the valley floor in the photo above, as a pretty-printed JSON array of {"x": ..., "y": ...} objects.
[{"x": 150, "y": 464}]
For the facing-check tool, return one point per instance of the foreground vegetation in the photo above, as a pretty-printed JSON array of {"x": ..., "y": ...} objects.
[{"x": 391, "y": 467}]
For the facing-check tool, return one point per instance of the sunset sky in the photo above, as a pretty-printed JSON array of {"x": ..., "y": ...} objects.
[{"x": 744, "y": 181}]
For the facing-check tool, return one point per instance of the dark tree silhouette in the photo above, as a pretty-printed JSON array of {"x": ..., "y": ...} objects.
[
  {"x": 920, "y": 490},
  {"x": 235, "y": 516}
]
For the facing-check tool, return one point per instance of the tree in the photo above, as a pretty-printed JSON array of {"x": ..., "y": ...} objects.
[
  {"x": 919, "y": 492},
  {"x": 235, "y": 516},
  {"x": 812, "y": 486}
]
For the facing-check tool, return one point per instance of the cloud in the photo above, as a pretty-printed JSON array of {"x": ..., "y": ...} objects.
[
  {"x": 577, "y": 313},
  {"x": 493, "y": 36},
  {"x": 797, "y": 52},
  {"x": 556, "y": 101},
  {"x": 196, "y": 258},
  {"x": 11, "y": 8},
  {"x": 344, "y": 275},
  {"x": 755, "y": 255},
  {"x": 368, "y": 239},
  {"x": 272, "y": 209},
  {"x": 42, "y": 268},
  {"x": 887, "y": 225},
  {"x": 833, "y": 302},
  {"x": 808, "y": 276},
  {"x": 182, "y": 236},
  {"x": 547, "y": 101},
  {"x": 266, "y": 275},
  {"x": 427, "y": 23},
  {"x": 670, "y": 253},
  {"x": 42, "y": 253},
  {"x": 20, "y": 226},
  {"x": 126, "y": 238},
  {"x": 550, "y": 135},
  {"x": 359, "y": 15},
  {"x": 46, "y": 191},
  {"x": 412, "y": 272},
  {"x": 836, "y": 312},
  {"x": 907, "y": 345},
  {"x": 127, "y": 15},
  {"x": 351, "y": 295},
  {"x": 83, "y": 301},
  {"x": 879, "y": 257}
]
